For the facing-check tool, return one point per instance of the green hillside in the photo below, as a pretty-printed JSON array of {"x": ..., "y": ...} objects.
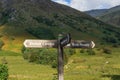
[
  {"x": 44, "y": 19},
  {"x": 81, "y": 66},
  {"x": 96, "y": 12},
  {"x": 112, "y": 16}
]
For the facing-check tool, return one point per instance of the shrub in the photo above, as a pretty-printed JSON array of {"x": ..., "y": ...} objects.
[
  {"x": 3, "y": 72},
  {"x": 23, "y": 49},
  {"x": 45, "y": 56},
  {"x": 30, "y": 54},
  {"x": 107, "y": 50},
  {"x": 25, "y": 52},
  {"x": 54, "y": 64},
  {"x": 110, "y": 39},
  {"x": 40, "y": 32},
  {"x": 32, "y": 57},
  {"x": 45, "y": 20},
  {"x": 82, "y": 51},
  {"x": 41, "y": 56},
  {"x": 69, "y": 52},
  {"x": 90, "y": 52}
]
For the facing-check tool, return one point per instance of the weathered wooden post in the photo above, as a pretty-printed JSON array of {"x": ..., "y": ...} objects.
[
  {"x": 60, "y": 59},
  {"x": 62, "y": 41}
]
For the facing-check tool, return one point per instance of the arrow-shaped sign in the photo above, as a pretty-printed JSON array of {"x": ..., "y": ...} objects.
[
  {"x": 29, "y": 43},
  {"x": 81, "y": 44},
  {"x": 40, "y": 43},
  {"x": 92, "y": 44}
]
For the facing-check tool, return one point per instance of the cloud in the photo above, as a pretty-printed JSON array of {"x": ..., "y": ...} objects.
[
  {"x": 84, "y": 5},
  {"x": 93, "y": 4},
  {"x": 62, "y": 2}
]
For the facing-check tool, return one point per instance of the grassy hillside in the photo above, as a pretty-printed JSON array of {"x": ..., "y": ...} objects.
[
  {"x": 45, "y": 19},
  {"x": 95, "y": 13},
  {"x": 110, "y": 16},
  {"x": 81, "y": 65},
  {"x": 111, "y": 10},
  {"x": 13, "y": 38}
]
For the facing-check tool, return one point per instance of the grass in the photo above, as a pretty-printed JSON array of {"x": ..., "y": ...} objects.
[
  {"x": 9, "y": 53},
  {"x": 19, "y": 69},
  {"x": 95, "y": 67},
  {"x": 80, "y": 67},
  {"x": 13, "y": 37}
]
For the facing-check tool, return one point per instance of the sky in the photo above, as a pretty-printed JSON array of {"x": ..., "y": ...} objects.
[{"x": 85, "y": 5}]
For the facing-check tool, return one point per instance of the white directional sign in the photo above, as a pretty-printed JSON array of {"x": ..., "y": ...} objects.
[
  {"x": 81, "y": 44},
  {"x": 40, "y": 43},
  {"x": 29, "y": 43}
]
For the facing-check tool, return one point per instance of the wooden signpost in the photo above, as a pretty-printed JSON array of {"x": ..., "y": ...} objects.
[
  {"x": 31, "y": 43},
  {"x": 60, "y": 43}
]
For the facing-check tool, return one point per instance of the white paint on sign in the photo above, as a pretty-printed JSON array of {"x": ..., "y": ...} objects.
[
  {"x": 93, "y": 44},
  {"x": 81, "y": 44},
  {"x": 53, "y": 44},
  {"x": 40, "y": 43}
]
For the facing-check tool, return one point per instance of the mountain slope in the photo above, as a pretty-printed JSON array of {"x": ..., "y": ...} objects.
[
  {"x": 45, "y": 19},
  {"x": 95, "y": 13},
  {"x": 112, "y": 16}
]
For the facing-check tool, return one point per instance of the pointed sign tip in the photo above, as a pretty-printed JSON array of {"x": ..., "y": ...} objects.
[
  {"x": 25, "y": 43},
  {"x": 93, "y": 44}
]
